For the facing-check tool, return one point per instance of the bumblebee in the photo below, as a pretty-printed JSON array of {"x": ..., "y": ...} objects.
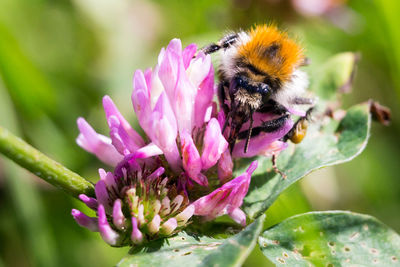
[{"x": 259, "y": 73}]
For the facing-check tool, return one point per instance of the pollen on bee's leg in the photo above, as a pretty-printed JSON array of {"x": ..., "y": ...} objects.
[{"x": 275, "y": 167}]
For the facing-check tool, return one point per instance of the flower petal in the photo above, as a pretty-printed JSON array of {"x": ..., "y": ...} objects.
[
  {"x": 191, "y": 158},
  {"x": 107, "y": 233},
  {"x": 85, "y": 221},
  {"x": 154, "y": 225},
  {"x": 185, "y": 215},
  {"x": 238, "y": 216},
  {"x": 169, "y": 226},
  {"x": 102, "y": 195},
  {"x": 180, "y": 91},
  {"x": 97, "y": 144},
  {"x": 147, "y": 151},
  {"x": 125, "y": 130},
  {"x": 188, "y": 54},
  {"x": 164, "y": 131},
  {"x": 119, "y": 219},
  {"x": 89, "y": 201},
  {"x": 141, "y": 100},
  {"x": 136, "y": 236},
  {"x": 227, "y": 198},
  {"x": 214, "y": 144},
  {"x": 204, "y": 95},
  {"x": 225, "y": 167}
]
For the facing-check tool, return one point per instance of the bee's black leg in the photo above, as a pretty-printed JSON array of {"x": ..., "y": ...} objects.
[
  {"x": 249, "y": 131},
  {"x": 225, "y": 42},
  {"x": 235, "y": 128},
  {"x": 271, "y": 106},
  {"x": 226, "y": 122},
  {"x": 275, "y": 167},
  {"x": 268, "y": 127},
  {"x": 222, "y": 97},
  {"x": 211, "y": 48}
]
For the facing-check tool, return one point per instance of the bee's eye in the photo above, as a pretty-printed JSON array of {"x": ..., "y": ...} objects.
[
  {"x": 240, "y": 81},
  {"x": 264, "y": 88}
]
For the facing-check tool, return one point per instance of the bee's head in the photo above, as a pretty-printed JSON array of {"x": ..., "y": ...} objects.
[{"x": 269, "y": 56}]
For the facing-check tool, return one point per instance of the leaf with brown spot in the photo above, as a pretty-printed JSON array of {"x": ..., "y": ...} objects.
[{"x": 356, "y": 239}]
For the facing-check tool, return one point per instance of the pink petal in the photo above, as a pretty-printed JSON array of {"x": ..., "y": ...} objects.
[
  {"x": 169, "y": 67},
  {"x": 164, "y": 131},
  {"x": 102, "y": 195},
  {"x": 148, "y": 151},
  {"x": 89, "y": 201},
  {"x": 141, "y": 100},
  {"x": 238, "y": 216},
  {"x": 214, "y": 144},
  {"x": 147, "y": 76},
  {"x": 185, "y": 215},
  {"x": 135, "y": 140},
  {"x": 180, "y": 91},
  {"x": 157, "y": 173},
  {"x": 136, "y": 236},
  {"x": 188, "y": 54},
  {"x": 204, "y": 95},
  {"x": 169, "y": 226},
  {"x": 85, "y": 221},
  {"x": 97, "y": 144},
  {"x": 107, "y": 233},
  {"x": 154, "y": 225},
  {"x": 225, "y": 167},
  {"x": 191, "y": 158},
  {"x": 119, "y": 219},
  {"x": 199, "y": 69},
  {"x": 226, "y": 198},
  {"x": 213, "y": 204}
]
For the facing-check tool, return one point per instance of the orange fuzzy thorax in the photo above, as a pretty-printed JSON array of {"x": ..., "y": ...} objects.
[{"x": 281, "y": 62}]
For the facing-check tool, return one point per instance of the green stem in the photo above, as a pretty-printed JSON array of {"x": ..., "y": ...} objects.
[{"x": 41, "y": 165}]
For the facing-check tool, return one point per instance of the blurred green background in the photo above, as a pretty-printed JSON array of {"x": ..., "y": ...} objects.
[{"x": 58, "y": 58}]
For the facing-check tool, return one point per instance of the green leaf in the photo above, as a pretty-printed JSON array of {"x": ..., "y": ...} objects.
[
  {"x": 331, "y": 143},
  {"x": 190, "y": 250},
  {"x": 335, "y": 76},
  {"x": 331, "y": 238}
]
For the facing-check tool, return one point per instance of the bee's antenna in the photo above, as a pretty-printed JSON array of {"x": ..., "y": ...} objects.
[{"x": 249, "y": 132}]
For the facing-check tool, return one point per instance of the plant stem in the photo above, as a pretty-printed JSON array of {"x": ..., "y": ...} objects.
[{"x": 39, "y": 164}]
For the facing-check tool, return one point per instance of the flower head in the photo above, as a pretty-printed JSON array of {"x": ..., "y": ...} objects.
[
  {"x": 174, "y": 106},
  {"x": 134, "y": 204}
]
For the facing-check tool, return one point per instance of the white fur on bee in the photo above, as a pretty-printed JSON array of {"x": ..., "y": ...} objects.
[
  {"x": 295, "y": 87},
  {"x": 228, "y": 55}
]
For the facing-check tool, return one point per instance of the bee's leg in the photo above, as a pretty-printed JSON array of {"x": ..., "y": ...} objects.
[
  {"x": 275, "y": 167},
  {"x": 211, "y": 48},
  {"x": 302, "y": 101},
  {"x": 249, "y": 131},
  {"x": 268, "y": 127},
  {"x": 225, "y": 42},
  {"x": 222, "y": 97},
  {"x": 271, "y": 106},
  {"x": 235, "y": 128},
  {"x": 229, "y": 115},
  {"x": 299, "y": 129}
]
